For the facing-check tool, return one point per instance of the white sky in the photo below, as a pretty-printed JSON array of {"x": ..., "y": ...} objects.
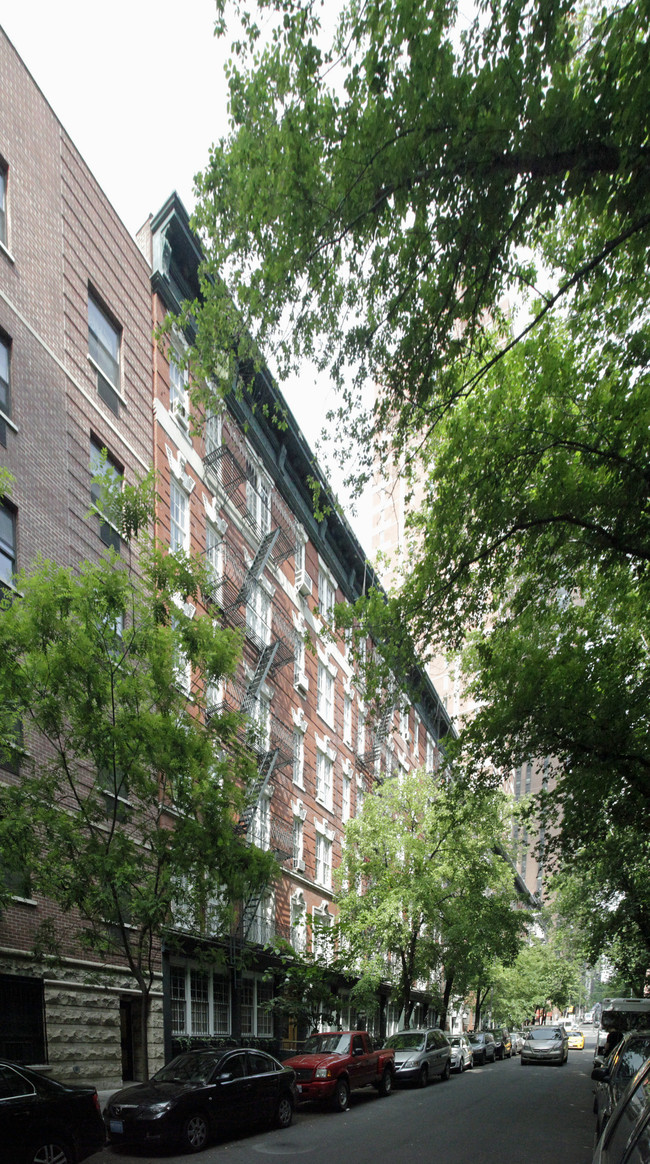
[{"x": 139, "y": 86}]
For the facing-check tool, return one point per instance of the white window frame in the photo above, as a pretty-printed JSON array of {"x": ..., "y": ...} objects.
[
  {"x": 326, "y": 690},
  {"x": 179, "y": 399},
  {"x": 182, "y": 1003},
  {"x": 258, "y": 496},
  {"x": 327, "y": 587},
  {"x": 179, "y": 519},
  {"x": 259, "y": 612},
  {"x": 259, "y": 991},
  {"x": 325, "y": 759},
  {"x": 322, "y": 912},
  {"x": 324, "y": 850},
  {"x": 430, "y": 754},
  {"x": 347, "y": 719},
  {"x": 361, "y": 794},
  {"x": 346, "y": 795},
  {"x": 298, "y": 922}
]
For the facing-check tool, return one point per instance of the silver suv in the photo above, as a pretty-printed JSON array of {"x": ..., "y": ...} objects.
[{"x": 420, "y": 1055}]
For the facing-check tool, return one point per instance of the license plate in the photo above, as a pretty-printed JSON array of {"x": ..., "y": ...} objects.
[{"x": 116, "y": 1126}]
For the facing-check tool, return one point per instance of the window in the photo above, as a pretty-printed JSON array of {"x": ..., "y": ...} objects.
[
  {"x": 178, "y": 519},
  {"x": 298, "y": 756},
  {"x": 256, "y": 1017},
  {"x": 213, "y": 555},
  {"x": 200, "y": 1001},
  {"x": 3, "y": 204},
  {"x": 107, "y": 472},
  {"x": 323, "y": 860},
  {"x": 321, "y": 923},
  {"x": 5, "y": 390},
  {"x": 361, "y": 734},
  {"x": 178, "y": 382},
  {"x": 346, "y": 797},
  {"x": 258, "y": 499},
  {"x": 404, "y": 723},
  {"x": 259, "y": 832},
  {"x": 7, "y": 545},
  {"x": 324, "y": 778},
  {"x": 325, "y": 696},
  {"x": 431, "y": 758},
  {"x": 299, "y": 559},
  {"x": 299, "y": 674},
  {"x": 360, "y": 794},
  {"x": 258, "y": 615},
  {"x": 298, "y": 923},
  {"x": 22, "y": 1019},
  {"x": 104, "y": 341},
  {"x": 298, "y": 843},
  {"x": 260, "y": 728},
  {"x": 326, "y": 595},
  {"x": 347, "y": 720},
  {"x": 212, "y": 433}
]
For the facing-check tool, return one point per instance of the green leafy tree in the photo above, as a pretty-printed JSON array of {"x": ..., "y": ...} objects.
[
  {"x": 419, "y": 877},
  {"x": 542, "y": 976},
  {"x": 423, "y": 172},
  {"x": 124, "y": 804}
]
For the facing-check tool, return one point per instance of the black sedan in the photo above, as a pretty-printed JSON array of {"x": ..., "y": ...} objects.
[
  {"x": 483, "y": 1046},
  {"x": 198, "y": 1094},
  {"x": 45, "y": 1122}
]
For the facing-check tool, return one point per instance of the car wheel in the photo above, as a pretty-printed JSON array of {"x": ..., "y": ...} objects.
[
  {"x": 446, "y": 1073},
  {"x": 461, "y": 1065},
  {"x": 284, "y": 1112},
  {"x": 423, "y": 1077},
  {"x": 195, "y": 1132},
  {"x": 386, "y": 1083},
  {"x": 471, "y": 1061},
  {"x": 50, "y": 1152},
  {"x": 341, "y": 1097}
]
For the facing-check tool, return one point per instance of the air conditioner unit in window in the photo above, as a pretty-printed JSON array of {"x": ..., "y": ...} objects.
[
  {"x": 301, "y": 683},
  {"x": 180, "y": 414},
  {"x": 299, "y": 864},
  {"x": 303, "y": 582}
]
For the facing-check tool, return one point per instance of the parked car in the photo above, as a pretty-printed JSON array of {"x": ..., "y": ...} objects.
[
  {"x": 483, "y": 1046},
  {"x": 420, "y": 1055},
  {"x": 45, "y": 1122},
  {"x": 621, "y": 1015},
  {"x": 576, "y": 1040},
  {"x": 517, "y": 1040},
  {"x": 462, "y": 1055},
  {"x": 626, "y": 1136},
  {"x": 502, "y": 1042},
  {"x": 545, "y": 1044},
  {"x": 334, "y": 1063},
  {"x": 613, "y": 1074},
  {"x": 199, "y": 1092}
]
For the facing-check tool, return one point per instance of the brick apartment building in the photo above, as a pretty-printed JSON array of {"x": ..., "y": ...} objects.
[{"x": 79, "y": 372}]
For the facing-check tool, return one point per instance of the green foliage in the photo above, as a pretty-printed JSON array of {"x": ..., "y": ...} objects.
[
  {"x": 305, "y": 987},
  {"x": 125, "y": 807},
  {"x": 422, "y": 884},
  {"x": 542, "y": 976}
]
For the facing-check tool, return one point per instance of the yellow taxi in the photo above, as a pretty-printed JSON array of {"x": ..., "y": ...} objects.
[{"x": 576, "y": 1040}]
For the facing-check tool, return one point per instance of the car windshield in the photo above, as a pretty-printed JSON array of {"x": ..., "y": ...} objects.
[
  {"x": 477, "y": 1038},
  {"x": 324, "y": 1044},
  {"x": 188, "y": 1069},
  {"x": 406, "y": 1041},
  {"x": 455, "y": 1041},
  {"x": 545, "y": 1033}
]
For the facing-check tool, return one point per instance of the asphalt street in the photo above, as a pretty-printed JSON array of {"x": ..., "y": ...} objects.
[{"x": 497, "y": 1114}]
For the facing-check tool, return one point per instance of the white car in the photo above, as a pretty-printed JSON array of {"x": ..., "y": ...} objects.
[{"x": 461, "y": 1053}]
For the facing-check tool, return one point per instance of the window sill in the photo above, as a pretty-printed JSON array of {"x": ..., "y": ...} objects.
[
  {"x": 23, "y": 900},
  {"x": 112, "y": 387},
  {"x": 7, "y": 253},
  {"x": 9, "y": 421}
]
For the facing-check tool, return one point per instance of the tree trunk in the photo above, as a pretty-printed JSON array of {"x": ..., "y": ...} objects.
[
  {"x": 449, "y": 982},
  {"x": 144, "y": 1030}
]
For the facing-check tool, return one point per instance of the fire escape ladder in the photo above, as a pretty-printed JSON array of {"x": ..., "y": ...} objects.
[
  {"x": 256, "y": 568},
  {"x": 264, "y": 664},
  {"x": 264, "y": 772}
]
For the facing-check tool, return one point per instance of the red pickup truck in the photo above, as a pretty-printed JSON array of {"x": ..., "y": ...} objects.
[{"x": 335, "y": 1063}]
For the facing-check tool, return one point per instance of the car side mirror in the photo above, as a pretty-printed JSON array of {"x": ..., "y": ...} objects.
[
  {"x": 358, "y": 1051},
  {"x": 225, "y": 1076},
  {"x": 600, "y": 1074}
]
